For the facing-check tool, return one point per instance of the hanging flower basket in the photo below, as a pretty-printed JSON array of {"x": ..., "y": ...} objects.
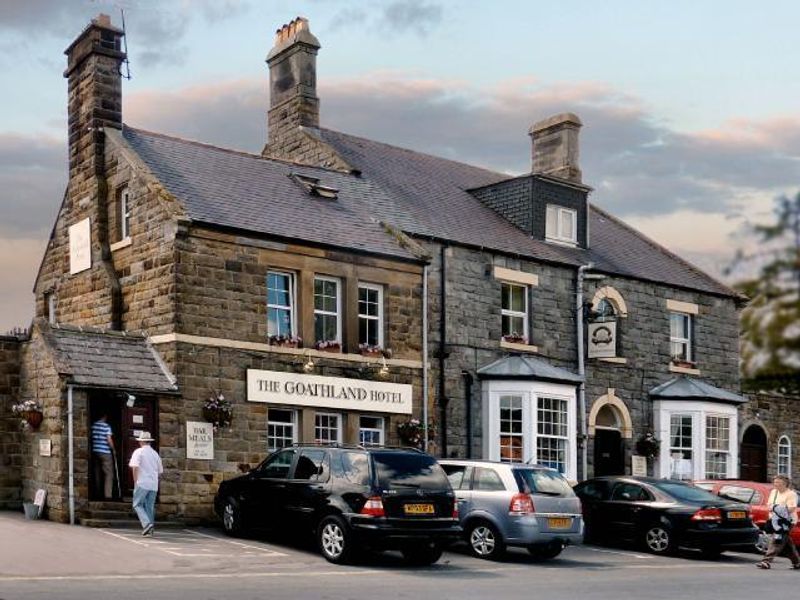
[
  {"x": 218, "y": 411},
  {"x": 411, "y": 433},
  {"x": 647, "y": 445},
  {"x": 30, "y": 414}
]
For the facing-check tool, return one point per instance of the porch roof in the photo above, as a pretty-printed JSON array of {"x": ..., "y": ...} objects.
[
  {"x": 689, "y": 388},
  {"x": 517, "y": 366},
  {"x": 96, "y": 358}
]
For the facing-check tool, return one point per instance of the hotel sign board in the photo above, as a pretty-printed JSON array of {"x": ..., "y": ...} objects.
[
  {"x": 602, "y": 339},
  {"x": 80, "y": 246},
  {"x": 277, "y": 387}
]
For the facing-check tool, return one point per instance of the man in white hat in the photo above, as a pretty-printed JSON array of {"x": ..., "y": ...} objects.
[{"x": 146, "y": 466}]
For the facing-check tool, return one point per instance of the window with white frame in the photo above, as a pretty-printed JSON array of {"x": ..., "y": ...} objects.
[
  {"x": 370, "y": 431},
  {"x": 718, "y": 446},
  {"x": 785, "y": 456},
  {"x": 680, "y": 337},
  {"x": 327, "y": 309},
  {"x": 280, "y": 304},
  {"x": 370, "y": 315},
  {"x": 561, "y": 224},
  {"x": 552, "y": 438},
  {"x": 681, "y": 446},
  {"x": 124, "y": 214},
  {"x": 327, "y": 428},
  {"x": 511, "y": 437},
  {"x": 514, "y": 311},
  {"x": 281, "y": 428}
]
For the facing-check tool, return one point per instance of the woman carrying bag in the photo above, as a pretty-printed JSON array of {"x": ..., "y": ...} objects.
[{"x": 782, "y": 504}]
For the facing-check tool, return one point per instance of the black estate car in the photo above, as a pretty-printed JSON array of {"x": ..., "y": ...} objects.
[
  {"x": 662, "y": 515},
  {"x": 350, "y": 497}
]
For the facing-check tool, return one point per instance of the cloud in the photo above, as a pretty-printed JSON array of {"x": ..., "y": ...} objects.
[
  {"x": 398, "y": 17},
  {"x": 19, "y": 263}
]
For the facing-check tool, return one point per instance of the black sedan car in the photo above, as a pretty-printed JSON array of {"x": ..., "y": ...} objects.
[
  {"x": 663, "y": 515},
  {"x": 350, "y": 498}
]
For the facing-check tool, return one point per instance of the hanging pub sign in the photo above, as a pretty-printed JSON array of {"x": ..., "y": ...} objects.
[{"x": 602, "y": 342}]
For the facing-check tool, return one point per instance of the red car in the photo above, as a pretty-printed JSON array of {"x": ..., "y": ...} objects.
[{"x": 748, "y": 492}]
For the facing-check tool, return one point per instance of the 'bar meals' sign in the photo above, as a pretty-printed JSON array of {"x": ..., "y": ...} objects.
[{"x": 276, "y": 387}]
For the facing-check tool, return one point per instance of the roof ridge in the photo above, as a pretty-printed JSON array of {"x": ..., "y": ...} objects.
[
  {"x": 243, "y": 153},
  {"x": 662, "y": 248},
  {"x": 435, "y": 156}
]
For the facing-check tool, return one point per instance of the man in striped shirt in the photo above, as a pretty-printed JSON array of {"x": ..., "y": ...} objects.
[{"x": 102, "y": 450}]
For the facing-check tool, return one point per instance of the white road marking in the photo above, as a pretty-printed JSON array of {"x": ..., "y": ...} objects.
[
  {"x": 261, "y": 549},
  {"x": 193, "y": 547},
  {"x": 621, "y": 553}
]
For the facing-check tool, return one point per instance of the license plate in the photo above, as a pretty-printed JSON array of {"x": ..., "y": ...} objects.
[
  {"x": 559, "y": 523},
  {"x": 737, "y": 514},
  {"x": 418, "y": 509}
]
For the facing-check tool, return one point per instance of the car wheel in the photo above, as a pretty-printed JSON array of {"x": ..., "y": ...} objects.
[
  {"x": 762, "y": 543},
  {"x": 485, "y": 541},
  {"x": 658, "y": 539},
  {"x": 231, "y": 518},
  {"x": 545, "y": 551},
  {"x": 422, "y": 554},
  {"x": 335, "y": 541}
]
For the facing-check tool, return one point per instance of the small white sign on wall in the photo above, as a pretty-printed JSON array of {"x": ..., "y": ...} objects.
[
  {"x": 45, "y": 447},
  {"x": 80, "y": 246},
  {"x": 638, "y": 466},
  {"x": 199, "y": 440}
]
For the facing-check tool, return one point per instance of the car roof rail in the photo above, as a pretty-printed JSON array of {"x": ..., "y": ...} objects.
[{"x": 325, "y": 445}]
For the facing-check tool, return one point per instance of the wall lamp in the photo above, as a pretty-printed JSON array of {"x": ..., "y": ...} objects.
[
  {"x": 309, "y": 364},
  {"x": 130, "y": 401}
]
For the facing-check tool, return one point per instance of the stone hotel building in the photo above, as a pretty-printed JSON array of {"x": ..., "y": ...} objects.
[{"x": 333, "y": 288}]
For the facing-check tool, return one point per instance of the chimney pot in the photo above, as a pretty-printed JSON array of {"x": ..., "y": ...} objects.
[
  {"x": 555, "y": 148},
  {"x": 103, "y": 19}
]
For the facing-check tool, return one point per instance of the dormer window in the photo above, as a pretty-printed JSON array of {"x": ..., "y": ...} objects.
[{"x": 561, "y": 224}]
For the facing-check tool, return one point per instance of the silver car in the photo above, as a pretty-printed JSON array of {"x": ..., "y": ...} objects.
[{"x": 514, "y": 504}]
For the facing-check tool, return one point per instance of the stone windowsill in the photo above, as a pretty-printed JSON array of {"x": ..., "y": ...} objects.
[
  {"x": 121, "y": 244},
  {"x": 518, "y": 347},
  {"x": 614, "y": 360},
  {"x": 684, "y": 370}
]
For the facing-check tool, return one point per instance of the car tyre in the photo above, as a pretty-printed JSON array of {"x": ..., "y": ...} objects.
[
  {"x": 335, "y": 540},
  {"x": 485, "y": 541},
  {"x": 422, "y": 555},
  {"x": 545, "y": 551},
  {"x": 658, "y": 539},
  {"x": 231, "y": 518}
]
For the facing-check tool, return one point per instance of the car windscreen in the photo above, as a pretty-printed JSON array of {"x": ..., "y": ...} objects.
[
  {"x": 685, "y": 492},
  {"x": 398, "y": 470},
  {"x": 541, "y": 481}
]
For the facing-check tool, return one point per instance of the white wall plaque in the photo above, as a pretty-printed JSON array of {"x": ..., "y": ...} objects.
[
  {"x": 602, "y": 339},
  {"x": 338, "y": 393},
  {"x": 138, "y": 419},
  {"x": 80, "y": 246},
  {"x": 45, "y": 447},
  {"x": 199, "y": 440},
  {"x": 638, "y": 466}
]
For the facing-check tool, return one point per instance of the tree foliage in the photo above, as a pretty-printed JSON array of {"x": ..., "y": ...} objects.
[{"x": 770, "y": 323}]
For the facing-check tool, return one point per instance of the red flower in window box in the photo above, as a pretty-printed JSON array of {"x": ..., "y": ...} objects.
[
  {"x": 374, "y": 351},
  {"x": 515, "y": 338},
  {"x": 328, "y": 346},
  {"x": 285, "y": 341}
]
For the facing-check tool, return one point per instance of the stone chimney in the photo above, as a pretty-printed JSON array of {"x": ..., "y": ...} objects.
[
  {"x": 95, "y": 90},
  {"x": 555, "y": 147},
  {"x": 292, "y": 83}
]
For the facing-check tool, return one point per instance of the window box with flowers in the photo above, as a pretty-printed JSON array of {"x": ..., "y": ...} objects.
[
  {"x": 328, "y": 346},
  {"x": 286, "y": 341},
  {"x": 30, "y": 414},
  {"x": 218, "y": 411},
  {"x": 515, "y": 338},
  {"x": 374, "y": 351}
]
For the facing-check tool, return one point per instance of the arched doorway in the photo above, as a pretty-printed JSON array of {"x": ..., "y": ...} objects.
[
  {"x": 609, "y": 458},
  {"x": 753, "y": 454}
]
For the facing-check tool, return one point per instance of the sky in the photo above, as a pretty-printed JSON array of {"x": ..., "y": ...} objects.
[{"x": 690, "y": 109}]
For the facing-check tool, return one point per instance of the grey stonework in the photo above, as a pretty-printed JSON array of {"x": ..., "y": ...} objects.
[
  {"x": 778, "y": 415},
  {"x": 10, "y": 435}
]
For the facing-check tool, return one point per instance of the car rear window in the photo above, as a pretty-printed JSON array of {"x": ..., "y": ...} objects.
[
  {"x": 409, "y": 470},
  {"x": 540, "y": 481},
  {"x": 737, "y": 493},
  {"x": 686, "y": 492}
]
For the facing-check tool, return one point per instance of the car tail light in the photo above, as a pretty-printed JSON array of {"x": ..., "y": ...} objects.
[
  {"x": 373, "y": 507},
  {"x": 455, "y": 509},
  {"x": 708, "y": 514},
  {"x": 521, "y": 504}
]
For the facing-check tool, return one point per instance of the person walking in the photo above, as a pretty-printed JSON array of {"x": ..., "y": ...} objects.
[
  {"x": 782, "y": 504},
  {"x": 146, "y": 466},
  {"x": 103, "y": 453}
]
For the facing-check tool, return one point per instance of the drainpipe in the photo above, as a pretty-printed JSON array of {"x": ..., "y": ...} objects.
[
  {"x": 442, "y": 345},
  {"x": 71, "y": 458},
  {"x": 581, "y": 368},
  {"x": 468, "y": 408},
  {"x": 425, "y": 355}
]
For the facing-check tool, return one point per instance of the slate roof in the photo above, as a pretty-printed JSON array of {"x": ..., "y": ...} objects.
[
  {"x": 107, "y": 359},
  {"x": 688, "y": 388},
  {"x": 245, "y": 191},
  {"x": 527, "y": 367},
  {"x": 430, "y": 198}
]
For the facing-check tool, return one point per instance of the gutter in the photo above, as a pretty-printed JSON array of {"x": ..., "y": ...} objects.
[
  {"x": 426, "y": 433},
  {"x": 442, "y": 348},
  {"x": 71, "y": 457},
  {"x": 584, "y": 438}
]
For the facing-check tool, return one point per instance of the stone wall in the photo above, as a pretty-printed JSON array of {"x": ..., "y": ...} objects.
[
  {"x": 779, "y": 415},
  {"x": 10, "y": 458}
]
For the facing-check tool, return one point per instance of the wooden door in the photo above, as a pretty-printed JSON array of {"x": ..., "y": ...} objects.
[
  {"x": 753, "y": 455},
  {"x": 609, "y": 459},
  {"x": 139, "y": 417}
]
